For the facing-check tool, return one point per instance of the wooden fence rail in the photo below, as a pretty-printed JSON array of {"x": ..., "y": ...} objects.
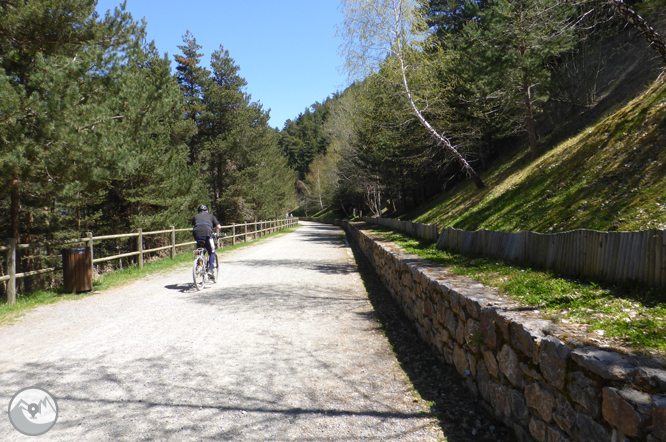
[
  {"x": 610, "y": 256},
  {"x": 256, "y": 230}
]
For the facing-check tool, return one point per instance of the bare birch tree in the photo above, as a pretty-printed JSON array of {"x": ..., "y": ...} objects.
[
  {"x": 655, "y": 41},
  {"x": 377, "y": 30}
]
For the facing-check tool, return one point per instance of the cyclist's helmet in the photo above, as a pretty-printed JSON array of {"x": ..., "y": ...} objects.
[{"x": 203, "y": 208}]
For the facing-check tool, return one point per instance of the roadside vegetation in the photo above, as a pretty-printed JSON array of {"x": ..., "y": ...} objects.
[
  {"x": 28, "y": 301},
  {"x": 630, "y": 317}
]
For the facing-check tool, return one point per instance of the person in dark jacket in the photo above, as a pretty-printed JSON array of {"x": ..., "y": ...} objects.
[{"x": 203, "y": 224}]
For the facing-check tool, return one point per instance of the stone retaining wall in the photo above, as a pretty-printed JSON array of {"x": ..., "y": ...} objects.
[{"x": 545, "y": 389}]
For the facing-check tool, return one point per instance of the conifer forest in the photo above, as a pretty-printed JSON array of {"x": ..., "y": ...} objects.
[{"x": 99, "y": 132}]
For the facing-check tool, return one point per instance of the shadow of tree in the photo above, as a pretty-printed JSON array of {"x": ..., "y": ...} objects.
[
  {"x": 97, "y": 402},
  {"x": 461, "y": 417},
  {"x": 323, "y": 267}
]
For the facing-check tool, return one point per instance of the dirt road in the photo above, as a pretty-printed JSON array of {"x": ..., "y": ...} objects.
[{"x": 284, "y": 347}]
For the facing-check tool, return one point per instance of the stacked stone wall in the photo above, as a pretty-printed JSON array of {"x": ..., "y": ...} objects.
[{"x": 546, "y": 388}]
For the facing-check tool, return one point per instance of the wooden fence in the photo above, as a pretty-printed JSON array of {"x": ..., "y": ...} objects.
[
  {"x": 610, "y": 256},
  {"x": 427, "y": 232},
  {"x": 235, "y": 233}
]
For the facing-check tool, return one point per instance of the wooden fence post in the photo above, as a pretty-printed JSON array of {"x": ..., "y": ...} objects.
[
  {"x": 233, "y": 234},
  {"x": 139, "y": 246},
  {"x": 11, "y": 270},
  {"x": 173, "y": 242},
  {"x": 92, "y": 255},
  {"x": 245, "y": 238}
]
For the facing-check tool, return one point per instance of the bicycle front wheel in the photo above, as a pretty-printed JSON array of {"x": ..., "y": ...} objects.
[{"x": 199, "y": 272}]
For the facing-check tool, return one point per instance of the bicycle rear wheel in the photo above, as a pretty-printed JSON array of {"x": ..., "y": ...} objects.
[{"x": 199, "y": 272}]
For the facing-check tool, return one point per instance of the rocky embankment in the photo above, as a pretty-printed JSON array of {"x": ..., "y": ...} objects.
[{"x": 546, "y": 387}]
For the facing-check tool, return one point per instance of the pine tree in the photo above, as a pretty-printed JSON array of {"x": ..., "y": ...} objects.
[
  {"x": 192, "y": 79},
  {"x": 156, "y": 185},
  {"x": 245, "y": 171},
  {"x": 510, "y": 48},
  {"x": 58, "y": 61}
]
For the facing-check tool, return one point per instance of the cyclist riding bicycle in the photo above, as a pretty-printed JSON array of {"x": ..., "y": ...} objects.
[{"x": 202, "y": 229}]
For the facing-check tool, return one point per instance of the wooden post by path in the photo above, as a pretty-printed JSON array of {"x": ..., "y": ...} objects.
[
  {"x": 173, "y": 242},
  {"x": 11, "y": 269},
  {"x": 139, "y": 246},
  {"x": 92, "y": 255},
  {"x": 233, "y": 234},
  {"x": 245, "y": 239}
]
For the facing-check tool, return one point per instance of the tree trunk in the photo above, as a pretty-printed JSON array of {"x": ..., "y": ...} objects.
[
  {"x": 321, "y": 203},
  {"x": 477, "y": 180},
  {"x": 529, "y": 119},
  {"x": 14, "y": 211},
  {"x": 441, "y": 139},
  {"x": 378, "y": 201},
  {"x": 653, "y": 38}
]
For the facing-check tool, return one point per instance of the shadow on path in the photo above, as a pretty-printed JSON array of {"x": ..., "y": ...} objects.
[
  {"x": 324, "y": 267},
  {"x": 461, "y": 417},
  {"x": 171, "y": 397},
  {"x": 292, "y": 298}
]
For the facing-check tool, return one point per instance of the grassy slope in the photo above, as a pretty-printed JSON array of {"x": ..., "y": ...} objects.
[
  {"x": 612, "y": 176},
  {"x": 629, "y": 317}
]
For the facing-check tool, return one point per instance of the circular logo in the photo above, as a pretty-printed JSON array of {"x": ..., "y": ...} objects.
[{"x": 33, "y": 411}]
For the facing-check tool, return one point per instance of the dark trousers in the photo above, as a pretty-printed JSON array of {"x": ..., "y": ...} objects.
[{"x": 209, "y": 243}]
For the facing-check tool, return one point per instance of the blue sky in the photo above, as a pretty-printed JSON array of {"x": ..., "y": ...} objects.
[{"x": 286, "y": 49}]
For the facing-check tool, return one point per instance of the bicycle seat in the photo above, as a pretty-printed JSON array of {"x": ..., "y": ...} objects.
[{"x": 201, "y": 244}]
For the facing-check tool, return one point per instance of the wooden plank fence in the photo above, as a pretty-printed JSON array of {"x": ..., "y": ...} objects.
[
  {"x": 234, "y": 233},
  {"x": 610, "y": 256},
  {"x": 419, "y": 230}
]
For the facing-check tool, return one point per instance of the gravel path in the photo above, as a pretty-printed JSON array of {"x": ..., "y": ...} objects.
[{"x": 285, "y": 347}]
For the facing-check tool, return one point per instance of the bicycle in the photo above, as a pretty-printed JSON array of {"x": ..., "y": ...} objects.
[{"x": 200, "y": 270}]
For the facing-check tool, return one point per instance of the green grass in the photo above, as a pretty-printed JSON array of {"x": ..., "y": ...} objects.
[
  {"x": 28, "y": 301},
  {"x": 629, "y": 316},
  {"x": 608, "y": 177},
  {"x": 326, "y": 212}
]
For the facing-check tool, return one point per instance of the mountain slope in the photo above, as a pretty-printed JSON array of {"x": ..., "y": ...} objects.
[{"x": 611, "y": 176}]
